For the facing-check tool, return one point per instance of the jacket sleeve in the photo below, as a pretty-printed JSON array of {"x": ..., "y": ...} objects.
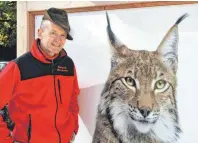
[
  {"x": 74, "y": 108},
  {"x": 9, "y": 77}
]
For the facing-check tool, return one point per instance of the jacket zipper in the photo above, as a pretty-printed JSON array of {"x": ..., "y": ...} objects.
[
  {"x": 59, "y": 89},
  {"x": 29, "y": 128},
  {"x": 56, "y": 102}
]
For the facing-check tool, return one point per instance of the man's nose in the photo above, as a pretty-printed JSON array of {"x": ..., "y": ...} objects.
[{"x": 58, "y": 37}]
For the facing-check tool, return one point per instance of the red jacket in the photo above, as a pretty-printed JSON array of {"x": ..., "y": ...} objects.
[{"x": 42, "y": 98}]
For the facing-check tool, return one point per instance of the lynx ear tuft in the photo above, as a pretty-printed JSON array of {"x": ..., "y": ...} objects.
[
  {"x": 117, "y": 46},
  {"x": 168, "y": 48}
]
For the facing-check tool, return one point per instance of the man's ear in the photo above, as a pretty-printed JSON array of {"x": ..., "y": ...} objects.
[{"x": 39, "y": 33}]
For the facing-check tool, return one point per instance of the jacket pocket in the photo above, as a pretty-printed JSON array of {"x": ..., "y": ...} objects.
[
  {"x": 29, "y": 128},
  {"x": 59, "y": 89}
]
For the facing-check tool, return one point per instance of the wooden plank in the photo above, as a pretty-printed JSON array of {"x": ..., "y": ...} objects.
[
  {"x": 148, "y": 4},
  {"x": 30, "y": 29}
]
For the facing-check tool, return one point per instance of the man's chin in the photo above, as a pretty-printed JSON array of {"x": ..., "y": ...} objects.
[{"x": 52, "y": 54}]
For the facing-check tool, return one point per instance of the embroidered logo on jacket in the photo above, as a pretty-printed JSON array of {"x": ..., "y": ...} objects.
[{"x": 62, "y": 69}]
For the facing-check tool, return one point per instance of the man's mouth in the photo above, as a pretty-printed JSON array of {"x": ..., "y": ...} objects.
[{"x": 55, "y": 45}]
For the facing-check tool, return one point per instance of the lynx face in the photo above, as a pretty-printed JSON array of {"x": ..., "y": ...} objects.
[
  {"x": 139, "y": 96},
  {"x": 143, "y": 90}
]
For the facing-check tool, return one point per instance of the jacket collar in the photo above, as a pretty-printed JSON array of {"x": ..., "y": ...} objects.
[{"x": 37, "y": 53}]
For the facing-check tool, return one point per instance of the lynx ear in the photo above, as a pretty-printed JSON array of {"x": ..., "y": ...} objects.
[
  {"x": 118, "y": 48},
  {"x": 168, "y": 46}
]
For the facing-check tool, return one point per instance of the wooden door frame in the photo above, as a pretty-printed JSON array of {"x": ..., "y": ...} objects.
[{"x": 32, "y": 14}]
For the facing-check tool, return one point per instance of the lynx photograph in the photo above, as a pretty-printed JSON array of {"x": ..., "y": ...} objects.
[{"x": 138, "y": 103}]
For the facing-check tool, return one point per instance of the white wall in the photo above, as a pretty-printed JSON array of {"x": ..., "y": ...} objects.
[{"x": 141, "y": 28}]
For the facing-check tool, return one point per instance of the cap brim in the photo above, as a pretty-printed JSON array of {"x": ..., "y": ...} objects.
[{"x": 69, "y": 37}]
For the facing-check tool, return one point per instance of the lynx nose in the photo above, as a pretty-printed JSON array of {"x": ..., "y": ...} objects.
[{"x": 144, "y": 111}]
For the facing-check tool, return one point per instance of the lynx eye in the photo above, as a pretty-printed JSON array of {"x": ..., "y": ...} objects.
[
  {"x": 129, "y": 81},
  {"x": 160, "y": 84}
]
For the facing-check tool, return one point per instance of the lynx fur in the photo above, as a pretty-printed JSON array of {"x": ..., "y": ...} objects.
[{"x": 138, "y": 103}]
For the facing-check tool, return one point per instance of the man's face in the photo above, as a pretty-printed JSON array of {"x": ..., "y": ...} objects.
[{"x": 52, "y": 38}]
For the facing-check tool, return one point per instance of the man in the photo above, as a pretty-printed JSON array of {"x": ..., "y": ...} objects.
[{"x": 41, "y": 87}]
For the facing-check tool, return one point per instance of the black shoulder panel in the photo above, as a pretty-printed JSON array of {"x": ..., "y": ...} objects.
[{"x": 30, "y": 67}]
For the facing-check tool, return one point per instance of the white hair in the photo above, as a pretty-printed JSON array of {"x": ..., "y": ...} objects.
[{"x": 44, "y": 23}]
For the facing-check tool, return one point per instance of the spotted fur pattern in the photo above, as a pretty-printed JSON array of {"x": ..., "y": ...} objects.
[{"x": 138, "y": 103}]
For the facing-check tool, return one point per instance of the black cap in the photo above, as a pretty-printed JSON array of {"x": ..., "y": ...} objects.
[{"x": 60, "y": 18}]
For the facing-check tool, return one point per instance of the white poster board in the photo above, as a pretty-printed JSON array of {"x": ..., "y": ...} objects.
[{"x": 141, "y": 28}]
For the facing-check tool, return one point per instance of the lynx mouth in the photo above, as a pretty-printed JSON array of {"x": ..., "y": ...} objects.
[{"x": 143, "y": 121}]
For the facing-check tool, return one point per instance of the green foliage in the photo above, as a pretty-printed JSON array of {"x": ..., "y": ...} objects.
[{"x": 8, "y": 23}]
